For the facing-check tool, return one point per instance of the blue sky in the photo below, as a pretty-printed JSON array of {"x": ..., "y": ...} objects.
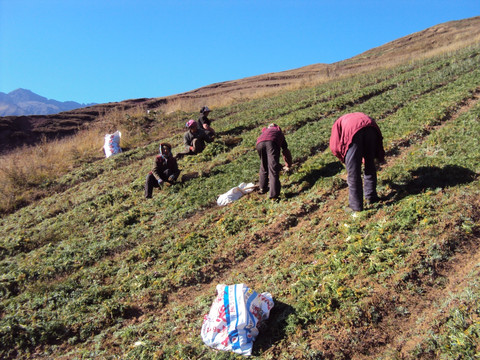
[{"x": 112, "y": 50}]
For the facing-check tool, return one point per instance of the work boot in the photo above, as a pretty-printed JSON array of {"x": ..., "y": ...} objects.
[{"x": 372, "y": 200}]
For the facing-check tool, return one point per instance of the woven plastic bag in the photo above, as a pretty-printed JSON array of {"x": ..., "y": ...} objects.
[
  {"x": 112, "y": 144},
  {"x": 232, "y": 323},
  {"x": 235, "y": 193}
]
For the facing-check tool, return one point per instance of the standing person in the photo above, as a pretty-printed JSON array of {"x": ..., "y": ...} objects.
[
  {"x": 165, "y": 170},
  {"x": 268, "y": 147},
  {"x": 356, "y": 137},
  {"x": 204, "y": 122},
  {"x": 194, "y": 139}
]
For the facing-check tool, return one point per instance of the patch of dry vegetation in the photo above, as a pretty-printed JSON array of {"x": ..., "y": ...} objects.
[
  {"x": 92, "y": 269},
  {"x": 25, "y": 175}
]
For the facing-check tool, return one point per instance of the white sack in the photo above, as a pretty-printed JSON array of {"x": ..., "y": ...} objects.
[
  {"x": 112, "y": 144},
  {"x": 235, "y": 193},
  {"x": 232, "y": 322}
]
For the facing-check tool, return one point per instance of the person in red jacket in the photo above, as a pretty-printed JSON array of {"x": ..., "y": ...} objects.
[
  {"x": 164, "y": 170},
  {"x": 268, "y": 147},
  {"x": 355, "y": 138}
]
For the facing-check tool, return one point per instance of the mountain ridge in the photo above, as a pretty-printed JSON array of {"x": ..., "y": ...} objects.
[
  {"x": 22, "y": 102},
  {"x": 90, "y": 269},
  {"x": 18, "y": 131}
]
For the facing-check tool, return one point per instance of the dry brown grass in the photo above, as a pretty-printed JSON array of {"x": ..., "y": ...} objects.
[
  {"x": 243, "y": 91},
  {"x": 441, "y": 39},
  {"x": 26, "y": 173}
]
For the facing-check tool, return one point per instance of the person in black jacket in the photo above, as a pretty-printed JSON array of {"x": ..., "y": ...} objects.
[
  {"x": 194, "y": 139},
  {"x": 165, "y": 170},
  {"x": 204, "y": 122}
]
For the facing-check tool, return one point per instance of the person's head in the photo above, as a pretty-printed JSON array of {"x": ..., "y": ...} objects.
[
  {"x": 205, "y": 110},
  {"x": 274, "y": 127},
  {"x": 166, "y": 149},
  {"x": 191, "y": 125}
]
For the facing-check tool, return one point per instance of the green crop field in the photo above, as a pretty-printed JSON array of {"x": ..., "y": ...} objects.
[{"x": 93, "y": 270}]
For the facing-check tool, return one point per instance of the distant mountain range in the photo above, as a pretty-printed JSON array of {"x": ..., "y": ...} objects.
[
  {"x": 25, "y": 102},
  {"x": 17, "y": 131}
]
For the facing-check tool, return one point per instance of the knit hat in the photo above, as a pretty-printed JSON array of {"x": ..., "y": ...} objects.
[{"x": 190, "y": 123}]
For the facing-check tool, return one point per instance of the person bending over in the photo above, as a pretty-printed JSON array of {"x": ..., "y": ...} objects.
[
  {"x": 356, "y": 138},
  {"x": 269, "y": 144}
]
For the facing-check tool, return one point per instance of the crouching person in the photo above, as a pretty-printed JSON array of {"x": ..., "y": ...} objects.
[
  {"x": 164, "y": 170},
  {"x": 194, "y": 139},
  {"x": 204, "y": 122}
]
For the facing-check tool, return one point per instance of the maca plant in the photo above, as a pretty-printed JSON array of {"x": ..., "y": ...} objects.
[{"x": 92, "y": 269}]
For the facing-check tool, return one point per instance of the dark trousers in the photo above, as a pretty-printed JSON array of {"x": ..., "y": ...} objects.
[
  {"x": 363, "y": 146},
  {"x": 198, "y": 146},
  {"x": 269, "y": 174},
  {"x": 151, "y": 182}
]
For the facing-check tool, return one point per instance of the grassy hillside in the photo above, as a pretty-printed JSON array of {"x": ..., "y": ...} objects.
[
  {"x": 93, "y": 270},
  {"x": 436, "y": 40}
]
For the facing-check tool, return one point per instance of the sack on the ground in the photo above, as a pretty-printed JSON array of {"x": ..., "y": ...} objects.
[
  {"x": 233, "y": 320},
  {"x": 112, "y": 144},
  {"x": 235, "y": 193}
]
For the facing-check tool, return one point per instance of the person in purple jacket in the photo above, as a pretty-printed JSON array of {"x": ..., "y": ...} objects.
[
  {"x": 269, "y": 144},
  {"x": 164, "y": 170},
  {"x": 356, "y": 138}
]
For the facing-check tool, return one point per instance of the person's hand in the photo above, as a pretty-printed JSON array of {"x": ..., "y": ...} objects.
[
  {"x": 171, "y": 178},
  {"x": 160, "y": 182},
  {"x": 287, "y": 169}
]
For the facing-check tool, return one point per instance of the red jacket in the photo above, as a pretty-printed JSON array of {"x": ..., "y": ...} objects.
[
  {"x": 343, "y": 130},
  {"x": 275, "y": 134}
]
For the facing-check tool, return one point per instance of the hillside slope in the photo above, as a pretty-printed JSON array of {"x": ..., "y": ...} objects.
[
  {"x": 95, "y": 271},
  {"x": 29, "y": 130}
]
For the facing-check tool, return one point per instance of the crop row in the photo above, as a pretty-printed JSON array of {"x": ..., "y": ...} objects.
[
  {"x": 222, "y": 178},
  {"x": 229, "y": 171},
  {"x": 75, "y": 264}
]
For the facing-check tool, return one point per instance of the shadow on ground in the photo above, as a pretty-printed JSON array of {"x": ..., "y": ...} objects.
[
  {"x": 312, "y": 176},
  {"x": 274, "y": 330},
  {"x": 430, "y": 178}
]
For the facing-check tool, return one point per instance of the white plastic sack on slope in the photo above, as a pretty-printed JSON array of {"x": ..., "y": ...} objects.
[
  {"x": 235, "y": 193},
  {"x": 232, "y": 323},
  {"x": 112, "y": 144}
]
